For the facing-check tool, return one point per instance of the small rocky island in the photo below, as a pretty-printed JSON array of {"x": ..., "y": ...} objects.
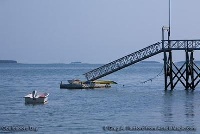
[
  {"x": 76, "y": 62},
  {"x": 8, "y": 61}
]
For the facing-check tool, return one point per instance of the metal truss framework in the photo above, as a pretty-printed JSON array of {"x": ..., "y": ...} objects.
[
  {"x": 124, "y": 62},
  {"x": 187, "y": 74}
]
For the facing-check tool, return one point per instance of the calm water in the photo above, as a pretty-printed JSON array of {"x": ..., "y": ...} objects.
[{"x": 135, "y": 104}]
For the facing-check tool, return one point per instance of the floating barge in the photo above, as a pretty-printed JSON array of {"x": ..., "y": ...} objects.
[{"x": 77, "y": 84}]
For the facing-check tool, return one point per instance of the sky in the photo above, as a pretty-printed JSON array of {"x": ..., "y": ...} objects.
[{"x": 91, "y": 31}]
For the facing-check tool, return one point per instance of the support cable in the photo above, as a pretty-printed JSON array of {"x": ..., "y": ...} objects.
[{"x": 151, "y": 79}]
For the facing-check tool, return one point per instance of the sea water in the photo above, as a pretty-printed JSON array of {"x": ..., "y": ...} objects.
[{"x": 137, "y": 104}]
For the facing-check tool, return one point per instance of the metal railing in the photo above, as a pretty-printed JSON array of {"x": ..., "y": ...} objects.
[{"x": 181, "y": 44}]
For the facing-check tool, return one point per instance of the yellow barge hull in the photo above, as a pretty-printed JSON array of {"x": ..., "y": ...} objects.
[{"x": 87, "y": 85}]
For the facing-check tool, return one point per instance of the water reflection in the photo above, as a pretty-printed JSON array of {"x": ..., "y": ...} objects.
[
  {"x": 178, "y": 108},
  {"x": 167, "y": 107},
  {"x": 189, "y": 107}
]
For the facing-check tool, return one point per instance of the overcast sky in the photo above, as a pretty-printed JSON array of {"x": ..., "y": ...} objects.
[{"x": 90, "y": 31}]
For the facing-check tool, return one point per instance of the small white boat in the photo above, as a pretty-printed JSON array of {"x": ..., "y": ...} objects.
[{"x": 35, "y": 98}]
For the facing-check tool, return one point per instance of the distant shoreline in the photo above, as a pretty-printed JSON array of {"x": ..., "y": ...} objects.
[
  {"x": 76, "y": 62},
  {"x": 149, "y": 62},
  {"x": 80, "y": 63},
  {"x": 73, "y": 63},
  {"x": 8, "y": 61}
]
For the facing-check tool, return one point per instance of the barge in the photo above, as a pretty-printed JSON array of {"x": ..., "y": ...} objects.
[{"x": 77, "y": 84}]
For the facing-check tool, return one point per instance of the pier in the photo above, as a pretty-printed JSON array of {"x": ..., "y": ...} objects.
[{"x": 188, "y": 74}]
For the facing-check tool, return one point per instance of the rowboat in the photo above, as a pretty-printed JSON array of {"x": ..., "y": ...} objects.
[{"x": 36, "y": 98}]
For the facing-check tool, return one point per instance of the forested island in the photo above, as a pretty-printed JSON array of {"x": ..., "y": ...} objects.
[
  {"x": 149, "y": 62},
  {"x": 8, "y": 61},
  {"x": 181, "y": 62},
  {"x": 76, "y": 62}
]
